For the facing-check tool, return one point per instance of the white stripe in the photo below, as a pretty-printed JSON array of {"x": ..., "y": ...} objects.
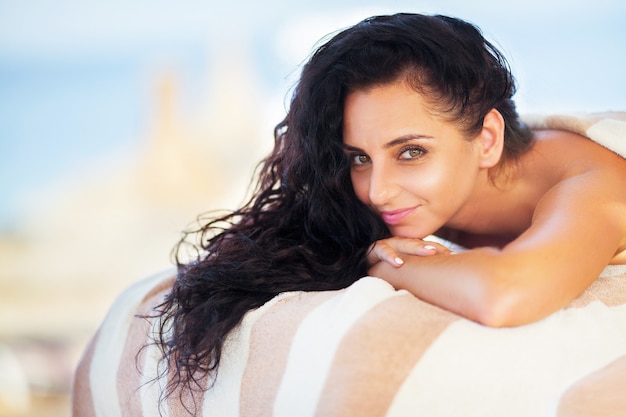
[
  {"x": 473, "y": 371},
  {"x": 110, "y": 345},
  {"x": 316, "y": 342}
]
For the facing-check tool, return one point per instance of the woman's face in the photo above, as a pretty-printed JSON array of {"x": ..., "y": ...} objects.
[{"x": 413, "y": 168}]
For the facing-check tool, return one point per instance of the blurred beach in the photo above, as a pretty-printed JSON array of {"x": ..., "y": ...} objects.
[{"x": 121, "y": 122}]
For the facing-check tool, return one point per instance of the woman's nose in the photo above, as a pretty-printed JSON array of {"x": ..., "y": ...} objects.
[{"x": 383, "y": 188}]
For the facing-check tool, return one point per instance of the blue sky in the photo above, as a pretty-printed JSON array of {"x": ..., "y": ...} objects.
[{"x": 73, "y": 73}]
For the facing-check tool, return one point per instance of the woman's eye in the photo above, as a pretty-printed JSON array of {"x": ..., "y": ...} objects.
[
  {"x": 412, "y": 152},
  {"x": 360, "y": 159}
]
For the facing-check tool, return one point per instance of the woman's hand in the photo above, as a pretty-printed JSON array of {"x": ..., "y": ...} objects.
[{"x": 391, "y": 250}]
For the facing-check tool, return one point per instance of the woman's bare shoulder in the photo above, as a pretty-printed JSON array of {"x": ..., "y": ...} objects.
[{"x": 590, "y": 174}]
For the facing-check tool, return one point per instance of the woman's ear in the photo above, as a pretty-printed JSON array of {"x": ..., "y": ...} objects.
[{"x": 491, "y": 139}]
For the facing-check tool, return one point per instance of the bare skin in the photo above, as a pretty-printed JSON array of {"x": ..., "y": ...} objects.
[{"x": 539, "y": 230}]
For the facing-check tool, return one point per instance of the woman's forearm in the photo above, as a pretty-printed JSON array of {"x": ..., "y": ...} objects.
[{"x": 472, "y": 284}]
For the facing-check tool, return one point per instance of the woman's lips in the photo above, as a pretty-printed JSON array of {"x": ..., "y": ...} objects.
[{"x": 396, "y": 216}]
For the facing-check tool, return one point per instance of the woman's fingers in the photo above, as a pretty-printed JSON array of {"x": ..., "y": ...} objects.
[
  {"x": 391, "y": 250},
  {"x": 382, "y": 251},
  {"x": 416, "y": 246}
]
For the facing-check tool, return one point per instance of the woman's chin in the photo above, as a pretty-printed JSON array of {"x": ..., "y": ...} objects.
[{"x": 409, "y": 232}]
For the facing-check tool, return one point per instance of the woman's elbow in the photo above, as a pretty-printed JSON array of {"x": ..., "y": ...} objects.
[
  {"x": 503, "y": 305},
  {"x": 492, "y": 314}
]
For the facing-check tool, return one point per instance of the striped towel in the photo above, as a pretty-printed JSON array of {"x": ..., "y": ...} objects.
[{"x": 369, "y": 350}]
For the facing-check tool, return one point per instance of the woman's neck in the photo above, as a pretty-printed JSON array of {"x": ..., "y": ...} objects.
[{"x": 499, "y": 210}]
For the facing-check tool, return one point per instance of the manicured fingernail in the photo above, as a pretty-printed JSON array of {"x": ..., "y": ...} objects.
[
  {"x": 430, "y": 247},
  {"x": 399, "y": 261}
]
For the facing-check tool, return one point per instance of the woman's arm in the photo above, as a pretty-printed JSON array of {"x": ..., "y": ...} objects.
[{"x": 577, "y": 228}]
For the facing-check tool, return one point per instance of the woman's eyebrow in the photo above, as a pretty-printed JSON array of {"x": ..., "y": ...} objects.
[
  {"x": 392, "y": 143},
  {"x": 351, "y": 148},
  {"x": 404, "y": 139}
]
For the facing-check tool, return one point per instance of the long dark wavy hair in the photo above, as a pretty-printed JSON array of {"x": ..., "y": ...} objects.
[{"x": 303, "y": 228}]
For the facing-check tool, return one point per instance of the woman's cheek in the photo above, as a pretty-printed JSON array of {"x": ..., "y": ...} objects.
[{"x": 360, "y": 187}]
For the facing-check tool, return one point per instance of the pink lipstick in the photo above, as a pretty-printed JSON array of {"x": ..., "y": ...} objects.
[{"x": 396, "y": 216}]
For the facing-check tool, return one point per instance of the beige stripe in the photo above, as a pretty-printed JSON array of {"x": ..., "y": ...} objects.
[
  {"x": 378, "y": 354},
  {"x": 108, "y": 352},
  {"x": 186, "y": 402},
  {"x": 610, "y": 291},
  {"x": 130, "y": 367},
  {"x": 270, "y": 342},
  {"x": 82, "y": 400},
  {"x": 602, "y": 393}
]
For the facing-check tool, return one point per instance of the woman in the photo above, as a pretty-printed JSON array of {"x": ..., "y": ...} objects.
[{"x": 403, "y": 127}]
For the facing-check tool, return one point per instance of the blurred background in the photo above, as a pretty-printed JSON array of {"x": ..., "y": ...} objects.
[{"x": 121, "y": 121}]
